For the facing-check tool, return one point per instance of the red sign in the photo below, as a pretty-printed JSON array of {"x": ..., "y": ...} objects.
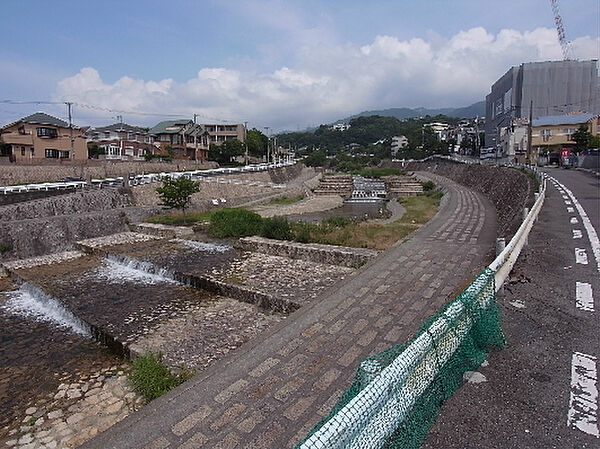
[{"x": 565, "y": 152}]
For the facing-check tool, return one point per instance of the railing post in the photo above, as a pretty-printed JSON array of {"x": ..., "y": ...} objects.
[{"x": 500, "y": 245}]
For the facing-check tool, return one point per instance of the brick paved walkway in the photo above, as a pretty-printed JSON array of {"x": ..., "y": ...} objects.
[{"x": 272, "y": 391}]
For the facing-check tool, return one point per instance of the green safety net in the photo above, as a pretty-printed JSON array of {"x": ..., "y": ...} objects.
[{"x": 483, "y": 332}]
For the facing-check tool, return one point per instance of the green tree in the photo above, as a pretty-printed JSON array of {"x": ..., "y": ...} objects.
[
  {"x": 224, "y": 153},
  {"x": 94, "y": 151},
  {"x": 257, "y": 143},
  {"x": 583, "y": 138},
  {"x": 176, "y": 193},
  {"x": 316, "y": 159}
]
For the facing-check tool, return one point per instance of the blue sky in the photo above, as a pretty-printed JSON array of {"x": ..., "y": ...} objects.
[{"x": 284, "y": 64}]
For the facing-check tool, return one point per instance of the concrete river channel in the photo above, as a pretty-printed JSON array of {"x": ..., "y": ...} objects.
[{"x": 69, "y": 327}]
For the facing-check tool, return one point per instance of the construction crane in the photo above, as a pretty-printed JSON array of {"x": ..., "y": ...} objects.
[{"x": 567, "y": 49}]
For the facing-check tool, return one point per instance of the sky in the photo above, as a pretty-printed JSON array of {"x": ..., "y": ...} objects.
[{"x": 286, "y": 65}]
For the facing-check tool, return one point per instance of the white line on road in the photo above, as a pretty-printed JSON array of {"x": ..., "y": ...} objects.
[
  {"x": 581, "y": 256},
  {"x": 577, "y": 234},
  {"x": 583, "y": 402},
  {"x": 574, "y": 220},
  {"x": 584, "y": 299},
  {"x": 568, "y": 203},
  {"x": 592, "y": 235},
  {"x": 570, "y": 210}
]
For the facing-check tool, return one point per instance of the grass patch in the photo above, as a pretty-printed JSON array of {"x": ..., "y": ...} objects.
[
  {"x": 378, "y": 172},
  {"x": 285, "y": 200},
  {"x": 177, "y": 218},
  {"x": 151, "y": 378},
  {"x": 342, "y": 231}
]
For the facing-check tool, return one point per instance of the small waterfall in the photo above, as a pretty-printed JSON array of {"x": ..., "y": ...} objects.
[
  {"x": 29, "y": 301},
  {"x": 119, "y": 269},
  {"x": 204, "y": 246}
]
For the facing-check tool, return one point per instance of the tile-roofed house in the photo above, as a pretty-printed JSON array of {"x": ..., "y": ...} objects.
[
  {"x": 41, "y": 137},
  {"x": 122, "y": 141},
  {"x": 183, "y": 138}
]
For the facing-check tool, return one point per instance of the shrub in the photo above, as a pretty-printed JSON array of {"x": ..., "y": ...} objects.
[
  {"x": 5, "y": 247},
  {"x": 235, "y": 223},
  {"x": 276, "y": 228},
  {"x": 428, "y": 185},
  {"x": 302, "y": 232},
  {"x": 151, "y": 378}
]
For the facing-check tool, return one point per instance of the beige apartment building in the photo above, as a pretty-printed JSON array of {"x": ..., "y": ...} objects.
[
  {"x": 553, "y": 133},
  {"x": 41, "y": 137},
  {"x": 220, "y": 133}
]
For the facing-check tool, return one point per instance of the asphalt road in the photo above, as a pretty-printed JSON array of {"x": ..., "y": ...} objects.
[{"x": 541, "y": 391}]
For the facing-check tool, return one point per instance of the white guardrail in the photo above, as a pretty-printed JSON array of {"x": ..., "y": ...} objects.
[
  {"x": 371, "y": 417},
  {"x": 140, "y": 179}
]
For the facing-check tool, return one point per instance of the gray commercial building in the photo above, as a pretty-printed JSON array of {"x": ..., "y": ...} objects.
[{"x": 555, "y": 87}]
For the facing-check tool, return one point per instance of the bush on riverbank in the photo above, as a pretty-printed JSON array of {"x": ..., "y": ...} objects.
[{"x": 151, "y": 378}]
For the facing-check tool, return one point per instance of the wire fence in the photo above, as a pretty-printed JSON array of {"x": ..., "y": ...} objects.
[{"x": 396, "y": 394}]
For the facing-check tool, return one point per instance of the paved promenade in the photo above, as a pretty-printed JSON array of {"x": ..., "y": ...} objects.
[{"x": 271, "y": 392}]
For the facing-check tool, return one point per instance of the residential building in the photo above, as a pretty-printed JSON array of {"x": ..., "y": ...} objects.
[
  {"x": 182, "y": 138},
  {"x": 552, "y": 87},
  {"x": 553, "y": 133},
  {"x": 121, "y": 141},
  {"x": 440, "y": 130},
  {"x": 340, "y": 127},
  {"x": 42, "y": 137},
  {"x": 513, "y": 141},
  {"x": 219, "y": 133},
  {"x": 398, "y": 142}
]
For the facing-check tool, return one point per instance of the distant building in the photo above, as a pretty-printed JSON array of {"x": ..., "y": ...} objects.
[
  {"x": 122, "y": 141},
  {"x": 554, "y": 87},
  {"x": 398, "y": 142},
  {"x": 182, "y": 138},
  {"x": 553, "y": 133},
  {"x": 340, "y": 127},
  {"x": 220, "y": 133},
  {"x": 42, "y": 137},
  {"x": 513, "y": 140},
  {"x": 440, "y": 130}
]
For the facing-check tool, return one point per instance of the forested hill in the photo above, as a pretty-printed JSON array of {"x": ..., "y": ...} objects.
[
  {"x": 474, "y": 110},
  {"x": 365, "y": 131}
]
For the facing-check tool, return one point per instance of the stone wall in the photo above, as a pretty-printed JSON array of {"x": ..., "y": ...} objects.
[
  {"x": 312, "y": 252},
  {"x": 20, "y": 174},
  {"x": 74, "y": 203},
  {"x": 46, "y": 235},
  {"x": 509, "y": 189}
]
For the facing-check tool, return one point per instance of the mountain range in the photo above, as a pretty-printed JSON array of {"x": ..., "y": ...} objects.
[{"x": 474, "y": 110}]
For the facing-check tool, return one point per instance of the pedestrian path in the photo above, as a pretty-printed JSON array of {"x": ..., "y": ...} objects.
[{"x": 272, "y": 391}]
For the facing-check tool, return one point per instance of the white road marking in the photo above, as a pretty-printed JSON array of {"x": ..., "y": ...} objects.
[
  {"x": 568, "y": 203},
  {"x": 517, "y": 304},
  {"x": 574, "y": 220},
  {"x": 581, "y": 256},
  {"x": 583, "y": 402},
  {"x": 584, "y": 299},
  {"x": 591, "y": 232},
  {"x": 570, "y": 210},
  {"x": 577, "y": 234},
  {"x": 565, "y": 197}
]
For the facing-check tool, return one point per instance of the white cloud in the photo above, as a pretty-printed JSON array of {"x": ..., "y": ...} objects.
[{"x": 331, "y": 81}]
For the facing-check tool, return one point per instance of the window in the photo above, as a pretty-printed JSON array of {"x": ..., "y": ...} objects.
[
  {"x": 164, "y": 137},
  {"x": 22, "y": 151},
  {"x": 22, "y": 129},
  {"x": 131, "y": 136},
  {"x": 51, "y": 154},
  {"x": 32, "y": 151},
  {"x": 107, "y": 134},
  {"x": 63, "y": 154},
  {"x": 47, "y": 132},
  {"x": 546, "y": 134}
]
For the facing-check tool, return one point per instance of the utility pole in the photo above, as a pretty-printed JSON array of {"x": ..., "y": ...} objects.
[
  {"x": 268, "y": 143},
  {"x": 195, "y": 140},
  {"x": 69, "y": 104},
  {"x": 246, "y": 141},
  {"x": 529, "y": 132}
]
